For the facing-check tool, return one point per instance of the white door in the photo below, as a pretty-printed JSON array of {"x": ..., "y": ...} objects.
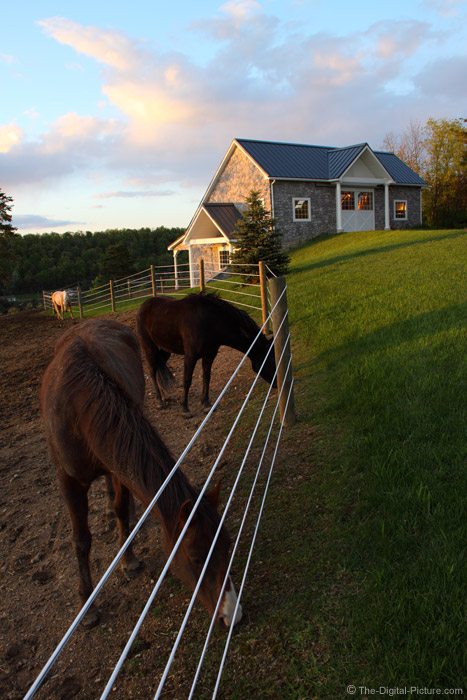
[{"x": 358, "y": 210}]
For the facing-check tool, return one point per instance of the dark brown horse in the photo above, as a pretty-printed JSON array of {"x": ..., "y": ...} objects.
[
  {"x": 91, "y": 398},
  {"x": 196, "y": 326}
]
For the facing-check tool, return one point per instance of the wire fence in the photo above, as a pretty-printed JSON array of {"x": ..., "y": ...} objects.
[
  {"x": 265, "y": 437},
  {"x": 173, "y": 280}
]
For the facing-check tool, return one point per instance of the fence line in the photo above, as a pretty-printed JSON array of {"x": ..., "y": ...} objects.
[
  {"x": 114, "y": 563},
  {"x": 178, "y": 542},
  {"x": 173, "y": 280}
]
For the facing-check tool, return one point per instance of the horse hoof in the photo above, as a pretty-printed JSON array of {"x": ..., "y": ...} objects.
[
  {"x": 186, "y": 414},
  {"x": 133, "y": 568},
  {"x": 206, "y": 409},
  {"x": 91, "y": 619}
]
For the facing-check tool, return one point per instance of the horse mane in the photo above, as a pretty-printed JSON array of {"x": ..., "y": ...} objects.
[
  {"x": 243, "y": 321},
  {"x": 110, "y": 420}
]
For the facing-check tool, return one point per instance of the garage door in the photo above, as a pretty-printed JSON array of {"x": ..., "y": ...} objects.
[{"x": 358, "y": 210}]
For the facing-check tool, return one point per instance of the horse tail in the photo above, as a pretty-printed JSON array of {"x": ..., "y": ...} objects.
[{"x": 163, "y": 377}]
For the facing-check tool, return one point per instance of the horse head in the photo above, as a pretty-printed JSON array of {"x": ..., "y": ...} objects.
[
  {"x": 259, "y": 351},
  {"x": 192, "y": 554}
]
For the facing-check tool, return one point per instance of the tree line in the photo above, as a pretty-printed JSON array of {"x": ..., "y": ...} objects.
[
  {"x": 52, "y": 260},
  {"x": 437, "y": 151}
]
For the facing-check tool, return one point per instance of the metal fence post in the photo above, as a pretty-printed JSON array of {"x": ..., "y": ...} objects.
[
  {"x": 153, "y": 281},
  {"x": 277, "y": 287},
  {"x": 264, "y": 295},
  {"x": 202, "y": 284},
  {"x": 112, "y": 297}
]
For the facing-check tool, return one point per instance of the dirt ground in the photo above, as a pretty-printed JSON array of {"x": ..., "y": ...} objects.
[{"x": 37, "y": 567}]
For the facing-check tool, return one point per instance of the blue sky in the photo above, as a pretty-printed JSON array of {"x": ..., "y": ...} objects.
[{"x": 118, "y": 114}]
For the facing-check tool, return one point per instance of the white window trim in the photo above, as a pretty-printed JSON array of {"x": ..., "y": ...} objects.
[
  {"x": 400, "y": 218},
  {"x": 301, "y": 199},
  {"x": 224, "y": 250}
]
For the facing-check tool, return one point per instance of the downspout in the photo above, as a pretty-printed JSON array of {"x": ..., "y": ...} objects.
[{"x": 272, "y": 198}]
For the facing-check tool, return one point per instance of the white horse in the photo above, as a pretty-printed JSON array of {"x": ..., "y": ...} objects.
[{"x": 62, "y": 302}]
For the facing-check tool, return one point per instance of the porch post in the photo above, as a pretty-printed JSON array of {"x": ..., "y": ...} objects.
[
  {"x": 339, "y": 207},
  {"x": 387, "y": 227},
  {"x": 190, "y": 258},
  {"x": 175, "y": 253}
]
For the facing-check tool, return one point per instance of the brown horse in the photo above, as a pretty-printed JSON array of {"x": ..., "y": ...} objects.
[
  {"x": 91, "y": 398},
  {"x": 62, "y": 302},
  {"x": 196, "y": 326}
]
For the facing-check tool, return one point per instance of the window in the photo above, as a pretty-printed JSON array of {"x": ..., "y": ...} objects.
[
  {"x": 301, "y": 210},
  {"x": 224, "y": 258},
  {"x": 400, "y": 209},
  {"x": 365, "y": 201},
  {"x": 348, "y": 201}
]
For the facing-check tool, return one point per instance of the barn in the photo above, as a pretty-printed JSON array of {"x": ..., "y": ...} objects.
[{"x": 309, "y": 190}]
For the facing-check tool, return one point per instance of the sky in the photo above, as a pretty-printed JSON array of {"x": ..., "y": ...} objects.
[{"x": 117, "y": 115}]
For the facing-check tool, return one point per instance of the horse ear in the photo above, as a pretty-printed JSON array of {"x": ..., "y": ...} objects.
[
  {"x": 213, "y": 496},
  {"x": 185, "y": 511}
]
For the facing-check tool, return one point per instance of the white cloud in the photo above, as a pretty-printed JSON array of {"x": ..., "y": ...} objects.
[
  {"x": 265, "y": 80},
  {"x": 25, "y": 222},
  {"x": 10, "y": 136},
  {"x": 135, "y": 193},
  {"x": 7, "y": 58},
  {"x": 446, "y": 8}
]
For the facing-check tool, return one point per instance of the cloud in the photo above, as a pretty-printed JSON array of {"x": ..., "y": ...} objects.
[
  {"x": 446, "y": 8},
  {"x": 10, "y": 136},
  {"x": 443, "y": 79},
  {"x": 34, "y": 221},
  {"x": 265, "y": 79},
  {"x": 131, "y": 195},
  {"x": 109, "y": 47}
]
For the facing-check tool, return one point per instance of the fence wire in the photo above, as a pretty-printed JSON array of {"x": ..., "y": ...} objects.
[{"x": 110, "y": 684}]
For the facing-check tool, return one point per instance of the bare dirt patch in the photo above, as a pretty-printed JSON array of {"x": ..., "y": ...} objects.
[{"x": 37, "y": 567}]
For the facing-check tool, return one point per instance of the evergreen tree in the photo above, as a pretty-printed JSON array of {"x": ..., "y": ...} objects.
[
  {"x": 258, "y": 239},
  {"x": 7, "y": 232},
  {"x": 116, "y": 262}
]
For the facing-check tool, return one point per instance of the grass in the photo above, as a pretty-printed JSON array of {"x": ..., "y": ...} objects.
[{"x": 379, "y": 325}]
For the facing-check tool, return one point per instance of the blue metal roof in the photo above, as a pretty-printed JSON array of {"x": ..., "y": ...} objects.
[
  {"x": 398, "y": 170},
  {"x": 301, "y": 162},
  {"x": 225, "y": 216}
]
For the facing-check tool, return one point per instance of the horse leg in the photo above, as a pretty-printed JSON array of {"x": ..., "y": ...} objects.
[
  {"x": 122, "y": 503},
  {"x": 188, "y": 368},
  {"x": 69, "y": 309},
  {"x": 207, "y": 365},
  {"x": 76, "y": 497},
  {"x": 161, "y": 376},
  {"x": 56, "y": 309},
  {"x": 109, "y": 508}
]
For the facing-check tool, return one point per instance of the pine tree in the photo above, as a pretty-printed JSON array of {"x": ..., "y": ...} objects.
[
  {"x": 7, "y": 232},
  {"x": 6, "y": 228},
  {"x": 258, "y": 239}
]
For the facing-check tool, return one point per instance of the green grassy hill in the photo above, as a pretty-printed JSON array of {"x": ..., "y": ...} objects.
[{"x": 379, "y": 326}]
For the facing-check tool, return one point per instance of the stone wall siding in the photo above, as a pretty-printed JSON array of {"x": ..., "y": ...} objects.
[
  {"x": 322, "y": 205},
  {"x": 239, "y": 177},
  {"x": 412, "y": 195},
  {"x": 210, "y": 254}
]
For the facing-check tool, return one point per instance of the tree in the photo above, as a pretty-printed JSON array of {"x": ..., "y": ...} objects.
[
  {"x": 258, "y": 239},
  {"x": 116, "y": 262},
  {"x": 437, "y": 152},
  {"x": 445, "y": 202},
  {"x": 7, "y": 232},
  {"x": 409, "y": 146}
]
